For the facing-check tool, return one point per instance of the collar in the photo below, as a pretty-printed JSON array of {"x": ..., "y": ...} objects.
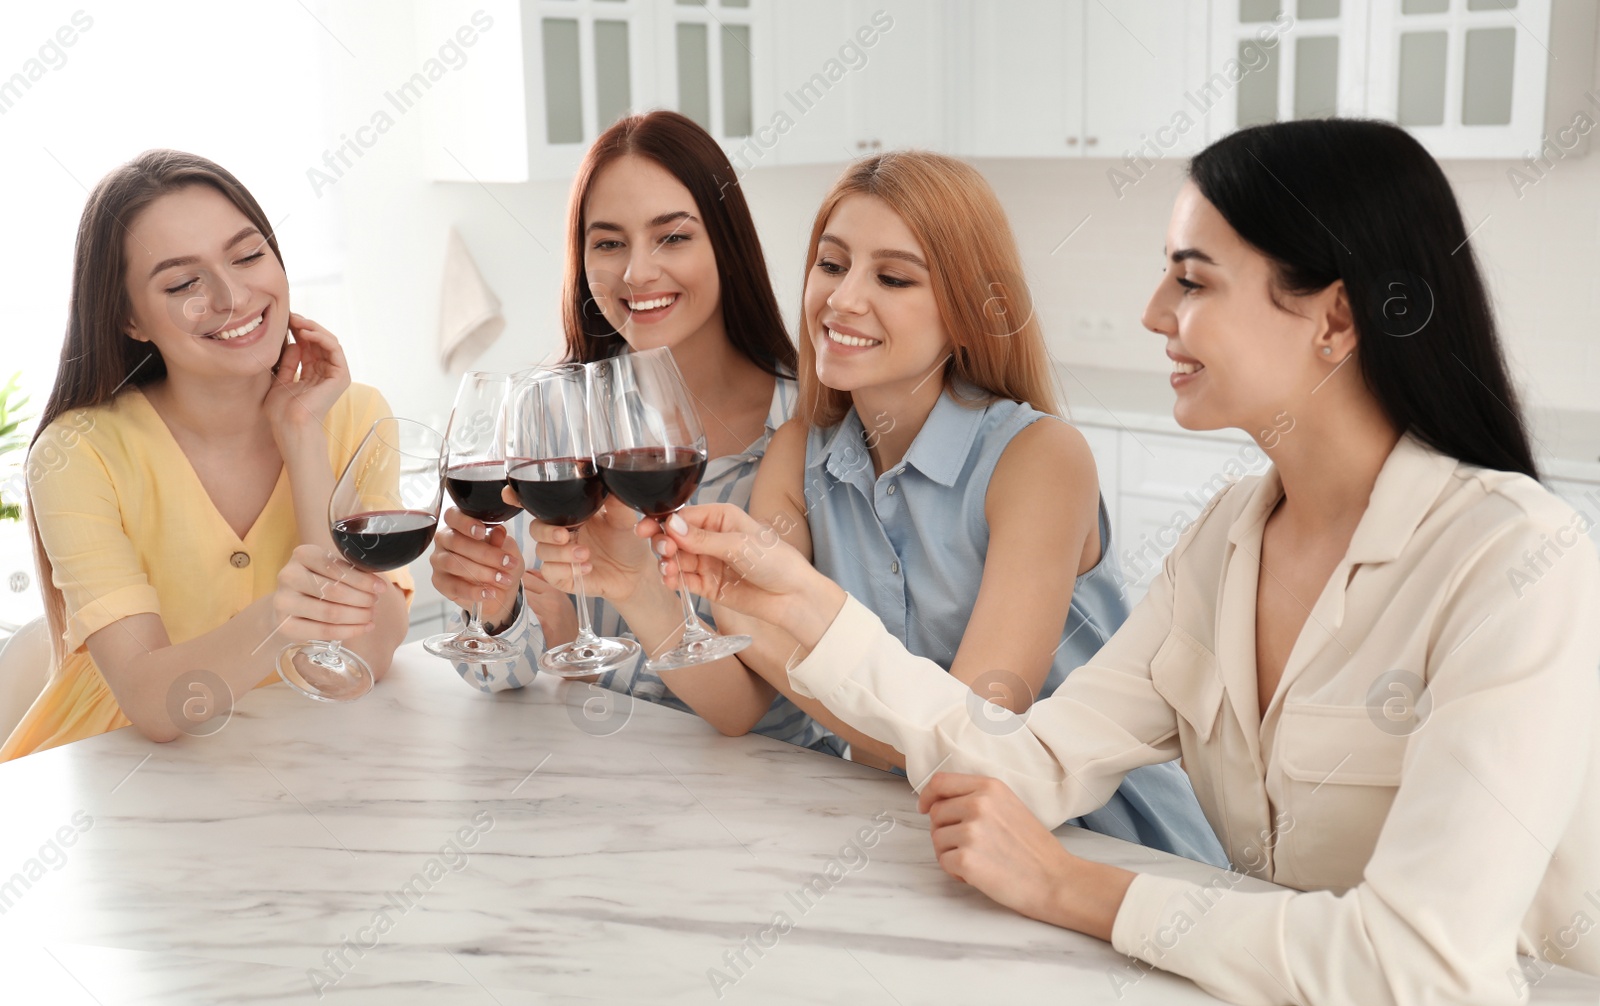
[
  {"x": 1405, "y": 491},
  {"x": 939, "y": 450}
]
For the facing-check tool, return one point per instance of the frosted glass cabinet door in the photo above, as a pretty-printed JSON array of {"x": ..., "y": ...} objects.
[
  {"x": 717, "y": 61},
  {"x": 586, "y": 64},
  {"x": 1278, "y": 60},
  {"x": 1465, "y": 77}
]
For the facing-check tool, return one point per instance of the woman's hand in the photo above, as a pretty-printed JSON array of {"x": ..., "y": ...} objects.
[
  {"x": 616, "y": 563},
  {"x": 985, "y": 836},
  {"x": 320, "y": 596},
  {"x": 476, "y": 563},
  {"x": 727, "y": 556},
  {"x": 552, "y": 606},
  {"x": 311, "y": 375}
]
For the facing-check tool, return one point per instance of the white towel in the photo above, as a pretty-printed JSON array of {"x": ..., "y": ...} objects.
[{"x": 469, "y": 312}]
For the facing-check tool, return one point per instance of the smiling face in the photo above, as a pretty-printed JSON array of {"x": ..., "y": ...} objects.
[
  {"x": 1239, "y": 359},
  {"x": 869, "y": 306},
  {"x": 650, "y": 264},
  {"x": 205, "y": 287}
]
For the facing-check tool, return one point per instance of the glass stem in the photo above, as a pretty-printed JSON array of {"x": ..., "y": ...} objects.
[
  {"x": 585, "y": 629},
  {"x": 474, "y": 627},
  {"x": 693, "y": 628}
]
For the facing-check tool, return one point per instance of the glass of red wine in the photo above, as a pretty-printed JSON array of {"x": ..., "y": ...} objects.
[
  {"x": 551, "y": 467},
  {"x": 382, "y": 516},
  {"x": 651, "y": 451},
  {"x": 475, "y": 475}
]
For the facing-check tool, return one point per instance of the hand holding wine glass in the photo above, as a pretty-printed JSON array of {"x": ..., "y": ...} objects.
[
  {"x": 651, "y": 452},
  {"x": 380, "y": 519},
  {"x": 552, "y": 470},
  {"x": 475, "y": 475}
]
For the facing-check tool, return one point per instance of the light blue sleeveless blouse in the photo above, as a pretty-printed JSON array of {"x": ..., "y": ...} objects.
[{"x": 910, "y": 544}]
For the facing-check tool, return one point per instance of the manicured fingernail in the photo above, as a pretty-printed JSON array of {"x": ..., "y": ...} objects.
[
  {"x": 484, "y": 593},
  {"x": 476, "y": 531},
  {"x": 677, "y": 524},
  {"x": 561, "y": 536},
  {"x": 505, "y": 560},
  {"x": 499, "y": 578},
  {"x": 660, "y": 547},
  {"x": 379, "y": 586},
  {"x": 663, "y": 569}
]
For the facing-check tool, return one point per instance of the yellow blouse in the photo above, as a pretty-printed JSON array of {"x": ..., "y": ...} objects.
[{"x": 129, "y": 528}]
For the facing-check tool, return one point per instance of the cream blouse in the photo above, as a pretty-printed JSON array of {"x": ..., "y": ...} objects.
[{"x": 1426, "y": 778}]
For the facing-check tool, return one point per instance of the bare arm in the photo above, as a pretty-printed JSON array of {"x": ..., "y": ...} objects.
[{"x": 319, "y": 596}]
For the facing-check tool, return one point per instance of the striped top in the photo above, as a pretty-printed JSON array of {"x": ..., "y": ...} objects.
[{"x": 728, "y": 479}]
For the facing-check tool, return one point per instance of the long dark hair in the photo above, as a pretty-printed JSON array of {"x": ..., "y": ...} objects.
[
  {"x": 98, "y": 357},
  {"x": 750, "y": 312},
  {"x": 1362, "y": 201}
]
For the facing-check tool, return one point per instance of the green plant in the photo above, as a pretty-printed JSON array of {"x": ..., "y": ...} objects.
[{"x": 12, "y": 438}]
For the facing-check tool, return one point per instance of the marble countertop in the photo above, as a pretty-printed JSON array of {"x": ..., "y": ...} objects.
[
  {"x": 431, "y": 844},
  {"x": 1566, "y": 442}
]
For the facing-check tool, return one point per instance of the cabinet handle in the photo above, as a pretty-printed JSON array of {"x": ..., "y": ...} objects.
[
  {"x": 1072, "y": 141},
  {"x": 861, "y": 144},
  {"x": 1091, "y": 141}
]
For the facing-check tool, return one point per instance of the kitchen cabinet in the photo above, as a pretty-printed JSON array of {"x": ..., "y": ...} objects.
[{"x": 1079, "y": 79}]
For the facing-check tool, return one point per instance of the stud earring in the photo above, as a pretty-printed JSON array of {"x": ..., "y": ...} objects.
[{"x": 1327, "y": 350}]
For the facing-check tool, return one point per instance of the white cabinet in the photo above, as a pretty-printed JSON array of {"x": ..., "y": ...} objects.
[
  {"x": 1467, "y": 78},
  {"x": 1276, "y": 60},
  {"x": 1073, "y": 78},
  {"x": 858, "y": 77},
  {"x": 1141, "y": 58}
]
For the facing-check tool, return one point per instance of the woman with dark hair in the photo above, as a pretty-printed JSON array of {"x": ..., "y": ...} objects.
[
  {"x": 178, "y": 484},
  {"x": 661, "y": 252},
  {"x": 1376, "y": 660}
]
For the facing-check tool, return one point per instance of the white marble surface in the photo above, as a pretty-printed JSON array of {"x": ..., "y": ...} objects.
[{"x": 614, "y": 857}]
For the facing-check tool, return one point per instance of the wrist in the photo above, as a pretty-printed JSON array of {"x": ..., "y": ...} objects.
[
  {"x": 1084, "y": 896},
  {"x": 303, "y": 437},
  {"x": 818, "y": 604}
]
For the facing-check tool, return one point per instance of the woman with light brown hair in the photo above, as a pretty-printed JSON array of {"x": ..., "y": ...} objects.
[
  {"x": 929, "y": 471},
  {"x": 178, "y": 484}
]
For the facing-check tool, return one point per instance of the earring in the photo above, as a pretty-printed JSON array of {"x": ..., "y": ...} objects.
[{"x": 1327, "y": 350}]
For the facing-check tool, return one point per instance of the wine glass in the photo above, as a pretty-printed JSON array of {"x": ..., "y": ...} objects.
[
  {"x": 380, "y": 520},
  {"x": 475, "y": 475},
  {"x": 651, "y": 452},
  {"x": 550, "y": 465}
]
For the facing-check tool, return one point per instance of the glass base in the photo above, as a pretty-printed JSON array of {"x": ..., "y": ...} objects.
[
  {"x": 471, "y": 649},
  {"x": 318, "y": 671},
  {"x": 589, "y": 657},
  {"x": 701, "y": 650}
]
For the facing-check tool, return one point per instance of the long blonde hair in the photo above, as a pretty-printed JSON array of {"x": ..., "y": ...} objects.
[{"x": 975, "y": 271}]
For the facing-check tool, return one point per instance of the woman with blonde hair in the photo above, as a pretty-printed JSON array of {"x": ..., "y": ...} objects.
[{"x": 930, "y": 474}]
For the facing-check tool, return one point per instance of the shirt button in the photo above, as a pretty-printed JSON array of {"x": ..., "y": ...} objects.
[
  {"x": 239, "y": 559},
  {"x": 894, "y": 567},
  {"x": 891, "y": 489}
]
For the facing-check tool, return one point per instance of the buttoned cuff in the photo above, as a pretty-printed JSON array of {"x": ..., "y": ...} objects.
[{"x": 838, "y": 653}]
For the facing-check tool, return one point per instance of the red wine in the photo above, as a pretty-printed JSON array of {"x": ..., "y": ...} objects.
[
  {"x": 387, "y": 539},
  {"x": 653, "y": 480},
  {"x": 564, "y": 491},
  {"x": 476, "y": 486}
]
